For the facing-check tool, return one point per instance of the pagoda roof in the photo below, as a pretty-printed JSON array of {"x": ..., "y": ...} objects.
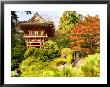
[{"x": 36, "y": 21}]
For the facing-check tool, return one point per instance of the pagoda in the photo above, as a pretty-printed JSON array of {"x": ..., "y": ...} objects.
[{"x": 37, "y": 30}]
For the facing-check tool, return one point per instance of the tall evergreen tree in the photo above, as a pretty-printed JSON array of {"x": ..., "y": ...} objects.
[{"x": 17, "y": 42}]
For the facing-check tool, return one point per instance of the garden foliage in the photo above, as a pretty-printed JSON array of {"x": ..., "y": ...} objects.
[{"x": 91, "y": 68}]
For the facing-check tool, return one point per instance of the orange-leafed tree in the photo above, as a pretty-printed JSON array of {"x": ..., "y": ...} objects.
[{"x": 86, "y": 35}]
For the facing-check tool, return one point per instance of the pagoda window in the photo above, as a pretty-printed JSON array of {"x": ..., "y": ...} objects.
[
  {"x": 39, "y": 33},
  {"x": 33, "y": 33}
]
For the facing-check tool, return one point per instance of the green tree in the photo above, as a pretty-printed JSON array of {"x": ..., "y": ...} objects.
[
  {"x": 13, "y": 30},
  {"x": 68, "y": 20},
  {"x": 17, "y": 42}
]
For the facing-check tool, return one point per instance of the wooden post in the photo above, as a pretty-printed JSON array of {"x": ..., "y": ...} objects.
[
  {"x": 30, "y": 45},
  {"x": 40, "y": 43},
  {"x": 35, "y": 33}
]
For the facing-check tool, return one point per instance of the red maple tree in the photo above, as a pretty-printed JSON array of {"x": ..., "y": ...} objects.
[{"x": 86, "y": 35}]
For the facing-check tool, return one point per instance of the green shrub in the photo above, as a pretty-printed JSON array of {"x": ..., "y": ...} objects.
[
  {"x": 28, "y": 62},
  {"x": 92, "y": 66},
  {"x": 39, "y": 69},
  {"x": 69, "y": 57},
  {"x": 29, "y": 52},
  {"x": 48, "y": 73},
  {"x": 65, "y": 50},
  {"x": 40, "y": 54},
  {"x": 77, "y": 72},
  {"x": 50, "y": 50},
  {"x": 50, "y": 45},
  {"x": 15, "y": 63},
  {"x": 67, "y": 53},
  {"x": 63, "y": 42},
  {"x": 32, "y": 67},
  {"x": 68, "y": 71},
  {"x": 41, "y": 73},
  {"x": 59, "y": 61},
  {"x": 44, "y": 56},
  {"x": 17, "y": 55},
  {"x": 66, "y": 57}
]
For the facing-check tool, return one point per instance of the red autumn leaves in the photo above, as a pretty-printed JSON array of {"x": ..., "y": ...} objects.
[{"x": 85, "y": 34}]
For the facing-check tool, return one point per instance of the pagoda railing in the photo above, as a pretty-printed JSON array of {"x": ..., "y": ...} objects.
[{"x": 34, "y": 36}]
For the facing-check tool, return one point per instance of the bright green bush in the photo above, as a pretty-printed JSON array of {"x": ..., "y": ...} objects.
[
  {"x": 69, "y": 57},
  {"x": 29, "y": 52},
  {"x": 39, "y": 69},
  {"x": 92, "y": 66},
  {"x": 69, "y": 71},
  {"x": 77, "y": 72},
  {"x": 46, "y": 53},
  {"x": 35, "y": 68},
  {"x": 67, "y": 53},
  {"x": 48, "y": 73},
  {"x": 65, "y": 50},
  {"x": 59, "y": 61},
  {"x": 66, "y": 57},
  {"x": 41, "y": 73},
  {"x": 50, "y": 45},
  {"x": 50, "y": 50},
  {"x": 28, "y": 62}
]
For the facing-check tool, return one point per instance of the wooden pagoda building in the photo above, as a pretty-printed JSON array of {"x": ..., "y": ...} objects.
[{"x": 36, "y": 31}]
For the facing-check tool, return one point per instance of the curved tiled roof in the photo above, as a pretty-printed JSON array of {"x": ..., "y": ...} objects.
[{"x": 36, "y": 21}]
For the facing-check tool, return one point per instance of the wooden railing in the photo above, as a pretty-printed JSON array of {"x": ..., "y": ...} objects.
[{"x": 34, "y": 36}]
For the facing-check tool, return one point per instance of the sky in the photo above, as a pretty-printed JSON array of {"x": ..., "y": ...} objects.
[{"x": 51, "y": 15}]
